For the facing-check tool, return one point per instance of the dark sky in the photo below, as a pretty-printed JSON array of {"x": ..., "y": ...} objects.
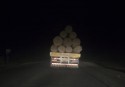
[{"x": 100, "y": 25}]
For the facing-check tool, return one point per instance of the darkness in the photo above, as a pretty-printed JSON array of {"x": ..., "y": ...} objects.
[{"x": 29, "y": 28}]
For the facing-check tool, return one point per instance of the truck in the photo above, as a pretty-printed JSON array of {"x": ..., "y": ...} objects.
[{"x": 66, "y": 48}]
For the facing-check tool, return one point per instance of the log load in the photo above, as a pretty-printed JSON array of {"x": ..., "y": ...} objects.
[
  {"x": 66, "y": 42},
  {"x": 57, "y": 41}
]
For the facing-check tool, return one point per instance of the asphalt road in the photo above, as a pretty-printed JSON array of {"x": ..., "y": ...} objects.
[{"x": 41, "y": 75}]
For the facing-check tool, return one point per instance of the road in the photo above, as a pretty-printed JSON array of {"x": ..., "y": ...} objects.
[{"x": 41, "y": 75}]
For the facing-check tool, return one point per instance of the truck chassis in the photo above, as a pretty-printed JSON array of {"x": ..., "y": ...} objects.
[{"x": 64, "y": 59}]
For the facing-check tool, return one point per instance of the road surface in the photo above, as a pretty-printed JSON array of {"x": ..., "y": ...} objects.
[{"x": 41, "y": 75}]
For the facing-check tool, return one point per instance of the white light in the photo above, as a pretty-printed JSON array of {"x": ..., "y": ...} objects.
[{"x": 63, "y": 64}]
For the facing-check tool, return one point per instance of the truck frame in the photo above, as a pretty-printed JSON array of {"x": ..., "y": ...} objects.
[{"x": 64, "y": 59}]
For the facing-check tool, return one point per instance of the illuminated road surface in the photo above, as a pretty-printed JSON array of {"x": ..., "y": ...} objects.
[{"x": 41, "y": 75}]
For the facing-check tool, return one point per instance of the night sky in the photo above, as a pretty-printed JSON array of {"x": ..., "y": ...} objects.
[{"x": 29, "y": 27}]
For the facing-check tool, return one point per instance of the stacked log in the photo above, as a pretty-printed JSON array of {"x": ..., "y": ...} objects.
[
  {"x": 57, "y": 41},
  {"x": 61, "y": 49},
  {"x": 76, "y": 42},
  {"x": 63, "y": 34},
  {"x": 69, "y": 49},
  {"x": 54, "y": 48},
  {"x": 66, "y": 42},
  {"x": 72, "y": 35},
  {"x": 77, "y": 49},
  {"x": 68, "y": 29}
]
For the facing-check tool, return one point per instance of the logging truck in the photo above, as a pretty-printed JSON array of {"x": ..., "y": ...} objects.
[{"x": 66, "y": 48}]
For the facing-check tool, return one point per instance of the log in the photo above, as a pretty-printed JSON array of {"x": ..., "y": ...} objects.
[
  {"x": 54, "y": 48},
  {"x": 76, "y": 42},
  {"x": 68, "y": 28},
  {"x": 63, "y": 34},
  {"x": 67, "y": 42},
  {"x": 72, "y": 35},
  {"x": 57, "y": 41},
  {"x": 69, "y": 49},
  {"x": 77, "y": 49},
  {"x": 61, "y": 49}
]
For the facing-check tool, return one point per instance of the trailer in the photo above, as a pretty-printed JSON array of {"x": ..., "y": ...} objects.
[
  {"x": 65, "y": 49},
  {"x": 64, "y": 59}
]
